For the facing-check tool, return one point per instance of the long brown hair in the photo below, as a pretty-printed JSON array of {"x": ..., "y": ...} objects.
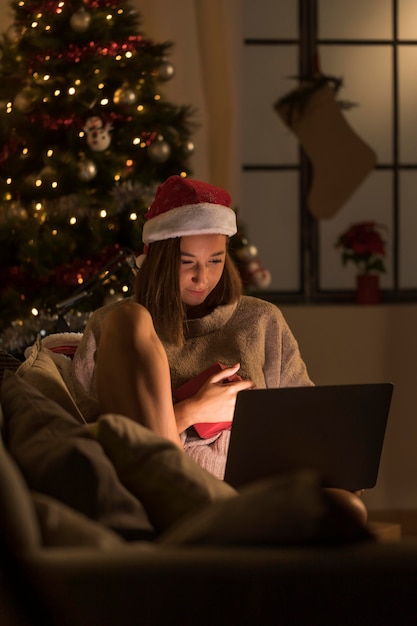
[{"x": 157, "y": 288}]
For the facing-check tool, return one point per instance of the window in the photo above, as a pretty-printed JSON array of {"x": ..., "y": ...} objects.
[{"x": 371, "y": 45}]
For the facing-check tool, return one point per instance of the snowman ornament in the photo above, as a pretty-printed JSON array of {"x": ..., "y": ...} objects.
[{"x": 98, "y": 134}]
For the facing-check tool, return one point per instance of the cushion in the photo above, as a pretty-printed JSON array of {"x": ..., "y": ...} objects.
[
  {"x": 165, "y": 479},
  {"x": 41, "y": 371},
  {"x": 61, "y": 526},
  {"x": 290, "y": 509},
  {"x": 58, "y": 457},
  {"x": 18, "y": 523}
]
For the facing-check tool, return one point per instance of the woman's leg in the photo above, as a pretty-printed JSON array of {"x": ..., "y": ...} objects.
[{"x": 132, "y": 371}]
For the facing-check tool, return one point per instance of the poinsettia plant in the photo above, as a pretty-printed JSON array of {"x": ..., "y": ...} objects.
[{"x": 363, "y": 245}]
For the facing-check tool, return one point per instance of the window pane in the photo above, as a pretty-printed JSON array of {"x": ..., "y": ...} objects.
[
  {"x": 407, "y": 19},
  {"x": 269, "y": 19},
  {"x": 407, "y": 231},
  {"x": 270, "y": 216},
  {"x": 407, "y": 56},
  {"x": 371, "y": 202},
  {"x": 370, "y": 90},
  {"x": 266, "y": 140},
  {"x": 356, "y": 19}
]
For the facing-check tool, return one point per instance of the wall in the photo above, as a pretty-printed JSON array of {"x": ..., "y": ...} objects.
[{"x": 359, "y": 344}]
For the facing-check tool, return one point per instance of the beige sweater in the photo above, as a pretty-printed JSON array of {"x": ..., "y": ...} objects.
[{"x": 252, "y": 332}]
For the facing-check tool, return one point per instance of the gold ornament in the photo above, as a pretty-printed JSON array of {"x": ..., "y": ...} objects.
[
  {"x": 125, "y": 96},
  {"x": 87, "y": 170},
  {"x": 80, "y": 21},
  {"x": 24, "y": 100}
]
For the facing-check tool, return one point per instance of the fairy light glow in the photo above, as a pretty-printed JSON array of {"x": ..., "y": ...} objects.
[
  {"x": 104, "y": 102},
  {"x": 35, "y": 312},
  {"x": 49, "y": 153},
  {"x": 103, "y": 213},
  {"x": 133, "y": 217},
  {"x": 38, "y": 182},
  {"x": 73, "y": 221},
  {"x": 71, "y": 91},
  {"x": 8, "y": 181}
]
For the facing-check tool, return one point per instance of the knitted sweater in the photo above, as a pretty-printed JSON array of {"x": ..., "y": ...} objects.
[{"x": 252, "y": 332}]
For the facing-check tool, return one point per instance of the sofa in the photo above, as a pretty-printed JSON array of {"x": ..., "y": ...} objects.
[{"x": 108, "y": 524}]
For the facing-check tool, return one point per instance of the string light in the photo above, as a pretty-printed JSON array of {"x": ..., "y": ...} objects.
[
  {"x": 35, "y": 312},
  {"x": 73, "y": 221}
]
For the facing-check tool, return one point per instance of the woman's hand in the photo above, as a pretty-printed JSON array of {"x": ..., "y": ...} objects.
[{"x": 214, "y": 401}]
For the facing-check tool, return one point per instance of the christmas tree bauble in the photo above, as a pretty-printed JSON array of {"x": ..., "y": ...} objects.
[
  {"x": 125, "y": 96},
  {"x": 80, "y": 21},
  {"x": 24, "y": 100},
  {"x": 159, "y": 151},
  {"x": 87, "y": 170},
  {"x": 247, "y": 252},
  {"x": 166, "y": 71}
]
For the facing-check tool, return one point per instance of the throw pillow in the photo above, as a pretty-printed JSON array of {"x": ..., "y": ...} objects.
[
  {"x": 167, "y": 481},
  {"x": 40, "y": 370},
  {"x": 58, "y": 457},
  {"x": 18, "y": 524},
  {"x": 61, "y": 526}
]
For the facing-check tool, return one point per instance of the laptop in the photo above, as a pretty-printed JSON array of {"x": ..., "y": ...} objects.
[{"x": 336, "y": 430}]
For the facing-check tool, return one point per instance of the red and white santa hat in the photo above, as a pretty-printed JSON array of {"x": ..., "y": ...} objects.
[{"x": 184, "y": 207}]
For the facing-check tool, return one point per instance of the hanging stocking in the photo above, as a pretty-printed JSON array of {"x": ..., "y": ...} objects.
[{"x": 340, "y": 159}]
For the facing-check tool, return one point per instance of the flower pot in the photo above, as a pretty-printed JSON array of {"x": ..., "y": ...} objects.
[{"x": 367, "y": 289}]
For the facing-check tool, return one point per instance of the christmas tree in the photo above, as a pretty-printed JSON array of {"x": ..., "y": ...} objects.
[{"x": 86, "y": 136}]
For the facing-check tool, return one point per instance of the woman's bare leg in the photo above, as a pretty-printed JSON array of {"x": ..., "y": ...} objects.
[{"x": 133, "y": 377}]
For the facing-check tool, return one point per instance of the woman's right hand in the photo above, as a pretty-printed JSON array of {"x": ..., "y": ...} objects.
[{"x": 214, "y": 401}]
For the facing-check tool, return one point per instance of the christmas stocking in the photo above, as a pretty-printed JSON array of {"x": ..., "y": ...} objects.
[{"x": 340, "y": 159}]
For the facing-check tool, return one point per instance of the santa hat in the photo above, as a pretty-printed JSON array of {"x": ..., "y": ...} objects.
[{"x": 188, "y": 207}]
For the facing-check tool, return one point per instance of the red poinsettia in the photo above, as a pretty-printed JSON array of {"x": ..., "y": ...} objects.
[{"x": 363, "y": 245}]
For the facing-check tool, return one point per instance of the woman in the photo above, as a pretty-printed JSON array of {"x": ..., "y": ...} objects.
[{"x": 187, "y": 314}]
